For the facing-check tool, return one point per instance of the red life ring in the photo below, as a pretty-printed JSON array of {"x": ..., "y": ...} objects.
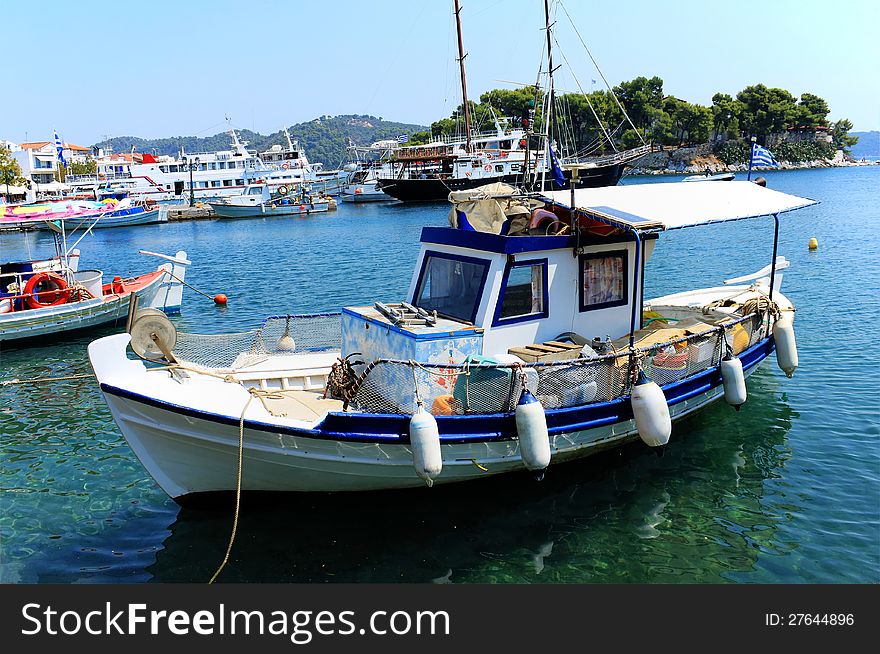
[
  {"x": 487, "y": 168},
  {"x": 56, "y": 291},
  {"x": 285, "y": 165}
]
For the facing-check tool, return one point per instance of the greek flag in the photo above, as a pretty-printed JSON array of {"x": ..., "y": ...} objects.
[
  {"x": 762, "y": 157},
  {"x": 556, "y": 169},
  {"x": 59, "y": 150},
  {"x": 402, "y": 138}
]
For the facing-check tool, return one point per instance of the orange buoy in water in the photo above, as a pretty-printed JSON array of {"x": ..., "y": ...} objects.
[{"x": 220, "y": 298}]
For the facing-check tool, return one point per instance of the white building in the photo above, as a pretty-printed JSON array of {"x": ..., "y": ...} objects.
[{"x": 39, "y": 163}]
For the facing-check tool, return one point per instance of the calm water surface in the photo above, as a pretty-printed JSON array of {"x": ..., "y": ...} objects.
[{"x": 785, "y": 491}]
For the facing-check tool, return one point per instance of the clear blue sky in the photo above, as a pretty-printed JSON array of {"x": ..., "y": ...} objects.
[{"x": 157, "y": 68}]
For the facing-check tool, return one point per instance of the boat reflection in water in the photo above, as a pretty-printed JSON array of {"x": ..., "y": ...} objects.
[{"x": 703, "y": 512}]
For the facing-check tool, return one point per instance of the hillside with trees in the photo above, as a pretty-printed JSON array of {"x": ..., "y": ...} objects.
[
  {"x": 651, "y": 116},
  {"x": 324, "y": 139},
  {"x": 727, "y": 123}
]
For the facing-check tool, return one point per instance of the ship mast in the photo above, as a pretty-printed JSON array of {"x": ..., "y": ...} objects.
[
  {"x": 551, "y": 101},
  {"x": 461, "y": 56}
]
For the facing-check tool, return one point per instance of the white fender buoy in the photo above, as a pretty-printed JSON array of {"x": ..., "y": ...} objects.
[
  {"x": 651, "y": 412},
  {"x": 531, "y": 428},
  {"x": 786, "y": 347},
  {"x": 424, "y": 439},
  {"x": 734, "y": 382}
]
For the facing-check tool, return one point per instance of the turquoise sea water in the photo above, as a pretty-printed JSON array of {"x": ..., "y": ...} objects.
[{"x": 785, "y": 491}]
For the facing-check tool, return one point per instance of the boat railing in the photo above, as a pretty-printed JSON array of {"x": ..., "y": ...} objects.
[
  {"x": 94, "y": 179},
  {"x": 388, "y": 386},
  {"x": 617, "y": 157}
]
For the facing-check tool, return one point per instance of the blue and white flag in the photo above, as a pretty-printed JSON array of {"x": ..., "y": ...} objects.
[
  {"x": 762, "y": 157},
  {"x": 59, "y": 150},
  {"x": 556, "y": 169},
  {"x": 402, "y": 138}
]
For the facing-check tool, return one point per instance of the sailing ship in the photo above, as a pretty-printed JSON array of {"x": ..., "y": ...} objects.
[{"x": 428, "y": 173}]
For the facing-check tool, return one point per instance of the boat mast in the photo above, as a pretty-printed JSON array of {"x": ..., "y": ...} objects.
[
  {"x": 551, "y": 101},
  {"x": 461, "y": 56}
]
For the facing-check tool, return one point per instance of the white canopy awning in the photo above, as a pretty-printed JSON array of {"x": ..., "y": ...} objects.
[
  {"x": 51, "y": 186},
  {"x": 13, "y": 190},
  {"x": 673, "y": 205}
]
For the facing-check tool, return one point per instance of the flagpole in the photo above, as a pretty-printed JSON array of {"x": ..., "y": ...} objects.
[{"x": 751, "y": 157}]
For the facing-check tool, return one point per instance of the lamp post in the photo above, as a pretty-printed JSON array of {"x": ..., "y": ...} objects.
[{"x": 192, "y": 164}]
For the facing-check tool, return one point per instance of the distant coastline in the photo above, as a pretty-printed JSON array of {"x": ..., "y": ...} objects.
[{"x": 699, "y": 159}]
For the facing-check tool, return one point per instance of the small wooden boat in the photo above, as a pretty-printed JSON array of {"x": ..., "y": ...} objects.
[
  {"x": 709, "y": 177},
  {"x": 509, "y": 354},
  {"x": 40, "y": 299},
  {"x": 256, "y": 201},
  {"x": 125, "y": 217}
]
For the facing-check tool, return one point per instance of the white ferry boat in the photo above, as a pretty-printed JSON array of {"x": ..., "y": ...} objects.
[{"x": 202, "y": 176}]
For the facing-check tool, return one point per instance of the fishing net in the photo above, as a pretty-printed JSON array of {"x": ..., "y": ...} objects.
[
  {"x": 396, "y": 387},
  {"x": 277, "y": 336}
]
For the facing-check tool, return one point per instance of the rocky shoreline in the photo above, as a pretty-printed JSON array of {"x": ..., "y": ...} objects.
[{"x": 697, "y": 159}]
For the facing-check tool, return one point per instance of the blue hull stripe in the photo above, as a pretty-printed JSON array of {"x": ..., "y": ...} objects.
[{"x": 392, "y": 428}]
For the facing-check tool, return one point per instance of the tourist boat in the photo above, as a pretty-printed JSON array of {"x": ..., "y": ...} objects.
[
  {"x": 204, "y": 175},
  {"x": 256, "y": 200},
  {"x": 524, "y": 341},
  {"x": 428, "y": 173},
  {"x": 40, "y": 299}
]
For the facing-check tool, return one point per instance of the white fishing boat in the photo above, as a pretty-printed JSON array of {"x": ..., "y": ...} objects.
[
  {"x": 525, "y": 340},
  {"x": 256, "y": 200},
  {"x": 362, "y": 178},
  {"x": 40, "y": 299},
  {"x": 710, "y": 177}
]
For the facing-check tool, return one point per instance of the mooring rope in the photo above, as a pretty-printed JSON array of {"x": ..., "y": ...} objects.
[
  {"x": 190, "y": 286},
  {"x": 252, "y": 394},
  {"x": 44, "y": 380}
]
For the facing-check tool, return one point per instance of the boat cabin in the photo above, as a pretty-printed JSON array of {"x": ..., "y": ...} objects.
[{"x": 477, "y": 294}]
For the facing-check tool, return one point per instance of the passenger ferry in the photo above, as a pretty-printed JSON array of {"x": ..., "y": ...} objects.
[{"x": 201, "y": 176}]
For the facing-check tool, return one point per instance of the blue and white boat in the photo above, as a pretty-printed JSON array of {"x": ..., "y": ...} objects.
[
  {"x": 256, "y": 200},
  {"x": 513, "y": 350},
  {"x": 126, "y": 216}
]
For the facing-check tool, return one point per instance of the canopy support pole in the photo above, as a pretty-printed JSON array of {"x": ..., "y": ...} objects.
[
  {"x": 635, "y": 290},
  {"x": 773, "y": 260}
]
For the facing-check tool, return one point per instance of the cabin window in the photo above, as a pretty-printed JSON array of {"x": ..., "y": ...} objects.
[
  {"x": 451, "y": 285},
  {"x": 164, "y": 169},
  {"x": 523, "y": 293},
  {"x": 227, "y": 182},
  {"x": 499, "y": 168},
  {"x": 602, "y": 280},
  {"x": 239, "y": 182},
  {"x": 172, "y": 168},
  {"x": 515, "y": 168},
  {"x": 505, "y": 145}
]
